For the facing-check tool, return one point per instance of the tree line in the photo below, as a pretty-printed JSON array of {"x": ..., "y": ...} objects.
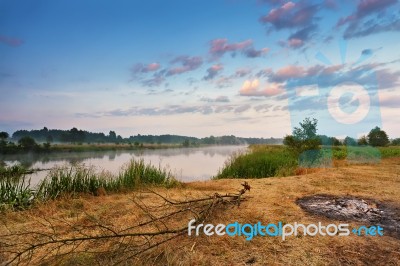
[
  {"x": 30, "y": 139},
  {"x": 304, "y": 139}
]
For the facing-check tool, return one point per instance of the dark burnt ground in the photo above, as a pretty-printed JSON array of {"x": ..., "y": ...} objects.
[{"x": 350, "y": 208}]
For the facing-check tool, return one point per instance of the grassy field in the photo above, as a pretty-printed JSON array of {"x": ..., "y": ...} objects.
[
  {"x": 270, "y": 200},
  {"x": 275, "y": 160}
]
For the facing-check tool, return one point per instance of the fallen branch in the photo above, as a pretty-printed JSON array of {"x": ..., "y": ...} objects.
[{"x": 58, "y": 238}]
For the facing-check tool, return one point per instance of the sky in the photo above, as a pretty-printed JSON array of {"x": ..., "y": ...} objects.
[{"x": 250, "y": 68}]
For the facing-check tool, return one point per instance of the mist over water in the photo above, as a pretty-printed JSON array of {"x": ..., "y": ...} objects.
[{"x": 186, "y": 164}]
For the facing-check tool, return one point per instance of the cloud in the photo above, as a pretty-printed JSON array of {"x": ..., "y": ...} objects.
[
  {"x": 213, "y": 71},
  {"x": 390, "y": 101},
  {"x": 253, "y": 53},
  {"x": 291, "y": 15},
  {"x": 218, "y": 47},
  {"x": 367, "y": 7},
  {"x": 374, "y": 26},
  {"x": 388, "y": 79},
  {"x": 299, "y": 15},
  {"x": 223, "y": 82},
  {"x": 242, "y": 108},
  {"x": 170, "y": 110},
  {"x": 370, "y": 76},
  {"x": 142, "y": 68},
  {"x": 227, "y": 81},
  {"x": 369, "y": 19},
  {"x": 367, "y": 52},
  {"x": 252, "y": 88},
  {"x": 293, "y": 43},
  {"x": 288, "y": 72},
  {"x": 298, "y": 39},
  {"x": 242, "y": 72},
  {"x": 187, "y": 64},
  {"x": 153, "y": 82},
  {"x": 219, "y": 99},
  {"x": 10, "y": 41}
]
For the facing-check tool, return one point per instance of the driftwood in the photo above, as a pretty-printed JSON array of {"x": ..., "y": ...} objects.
[{"x": 53, "y": 240}]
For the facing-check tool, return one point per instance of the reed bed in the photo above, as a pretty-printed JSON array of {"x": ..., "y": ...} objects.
[
  {"x": 79, "y": 179},
  {"x": 15, "y": 193},
  {"x": 260, "y": 161}
]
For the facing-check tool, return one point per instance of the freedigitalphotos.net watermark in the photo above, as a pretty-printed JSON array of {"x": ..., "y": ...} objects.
[{"x": 249, "y": 231}]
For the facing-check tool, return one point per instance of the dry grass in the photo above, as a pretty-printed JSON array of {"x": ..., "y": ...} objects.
[{"x": 270, "y": 200}]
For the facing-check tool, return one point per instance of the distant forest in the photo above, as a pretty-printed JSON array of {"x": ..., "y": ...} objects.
[{"x": 75, "y": 135}]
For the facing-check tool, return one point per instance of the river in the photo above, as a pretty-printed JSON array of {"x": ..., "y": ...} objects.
[{"x": 186, "y": 164}]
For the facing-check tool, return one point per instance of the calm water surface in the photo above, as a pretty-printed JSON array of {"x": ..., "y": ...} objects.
[{"x": 187, "y": 164}]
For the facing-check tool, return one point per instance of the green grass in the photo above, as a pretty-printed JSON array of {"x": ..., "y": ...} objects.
[
  {"x": 364, "y": 153},
  {"x": 266, "y": 161},
  {"x": 391, "y": 151},
  {"x": 79, "y": 179},
  {"x": 261, "y": 161},
  {"x": 16, "y": 193},
  {"x": 14, "y": 171}
]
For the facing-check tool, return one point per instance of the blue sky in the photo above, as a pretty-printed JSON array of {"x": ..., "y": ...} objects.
[{"x": 200, "y": 68}]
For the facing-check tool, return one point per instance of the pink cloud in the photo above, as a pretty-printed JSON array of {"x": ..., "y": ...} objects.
[
  {"x": 295, "y": 43},
  {"x": 213, "y": 71},
  {"x": 291, "y": 15},
  {"x": 332, "y": 69},
  {"x": 188, "y": 64},
  {"x": 365, "y": 8},
  {"x": 252, "y": 88},
  {"x": 219, "y": 47},
  {"x": 242, "y": 72},
  {"x": 10, "y": 41},
  {"x": 276, "y": 13},
  {"x": 141, "y": 68},
  {"x": 290, "y": 71}
]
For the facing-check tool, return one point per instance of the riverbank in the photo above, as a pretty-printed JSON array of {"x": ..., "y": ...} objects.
[{"x": 270, "y": 200}]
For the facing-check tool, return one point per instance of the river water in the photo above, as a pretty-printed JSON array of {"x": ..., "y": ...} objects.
[{"x": 186, "y": 164}]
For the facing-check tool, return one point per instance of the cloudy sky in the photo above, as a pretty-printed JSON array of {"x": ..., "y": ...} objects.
[{"x": 200, "y": 68}]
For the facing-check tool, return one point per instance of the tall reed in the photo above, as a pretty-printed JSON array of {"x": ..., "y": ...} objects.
[{"x": 80, "y": 179}]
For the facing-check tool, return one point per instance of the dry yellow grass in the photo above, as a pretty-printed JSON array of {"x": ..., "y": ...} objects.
[{"x": 270, "y": 200}]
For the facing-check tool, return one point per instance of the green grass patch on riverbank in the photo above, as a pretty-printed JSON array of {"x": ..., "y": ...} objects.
[
  {"x": 260, "y": 161},
  {"x": 267, "y": 161},
  {"x": 15, "y": 171},
  {"x": 16, "y": 192}
]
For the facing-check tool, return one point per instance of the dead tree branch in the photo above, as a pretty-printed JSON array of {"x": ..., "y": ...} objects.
[{"x": 56, "y": 239}]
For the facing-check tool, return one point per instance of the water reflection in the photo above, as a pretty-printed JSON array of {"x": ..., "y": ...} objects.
[{"x": 187, "y": 164}]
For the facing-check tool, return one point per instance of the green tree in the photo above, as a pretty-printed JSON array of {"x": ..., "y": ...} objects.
[
  {"x": 4, "y": 135},
  {"x": 396, "y": 142},
  {"x": 348, "y": 141},
  {"x": 304, "y": 138},
  {"x": 27, "y": 143},
  {"x": 336, "y": 142},
  {"x": 49, "y": 139},
  {"x": 113, "y": 136},
  {"x": 378, "y": 137},
  {"x": 186, "y": 143},
  {"x": 363, "y": 141}
]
